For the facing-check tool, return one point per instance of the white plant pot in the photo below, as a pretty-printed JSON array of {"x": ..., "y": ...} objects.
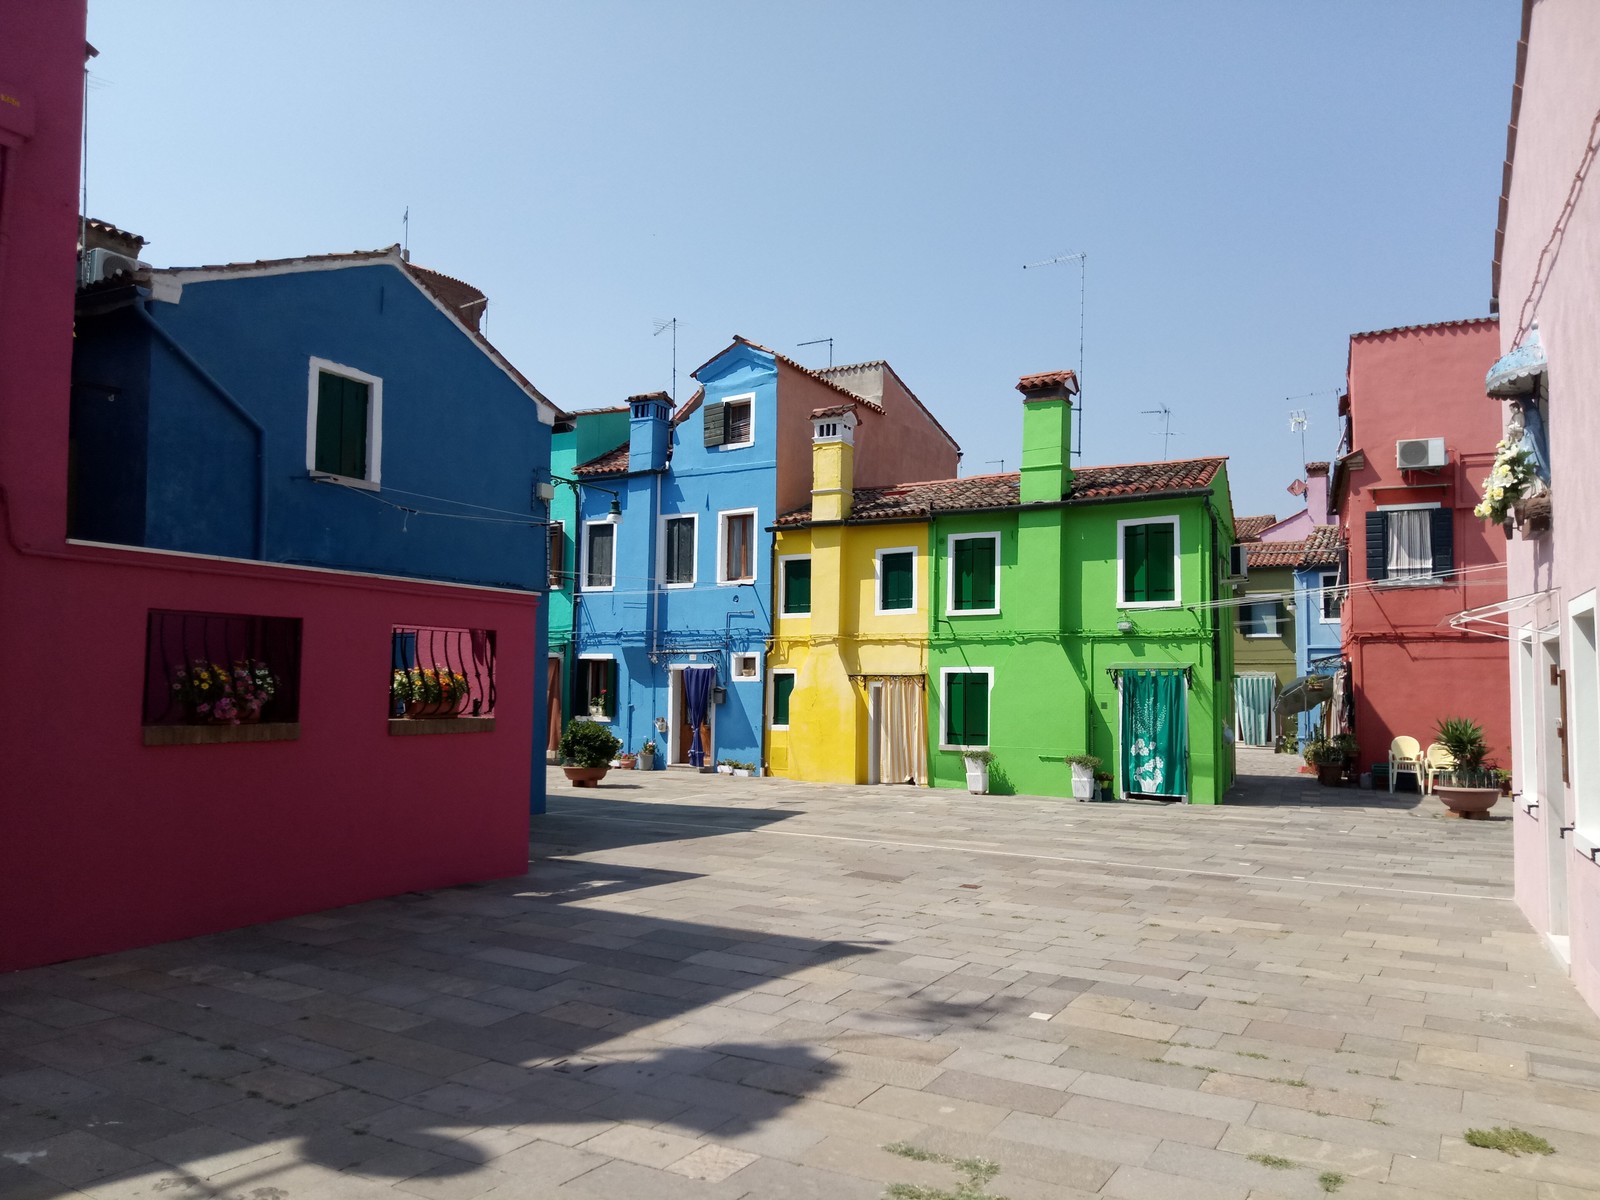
[
  {"x": 977, "y": 776},
  {"x": 741, "y": 773},
  {"x": 1083, "y": 787},
  {"x": 722, "y": 770},
  {"x": 647, "y": 761}
]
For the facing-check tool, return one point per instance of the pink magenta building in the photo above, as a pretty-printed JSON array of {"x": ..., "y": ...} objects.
[
  {"x": 106, "y": 840},
  {"x": 1547, "y": 290},
  {"x": 1416, "y": 554}
]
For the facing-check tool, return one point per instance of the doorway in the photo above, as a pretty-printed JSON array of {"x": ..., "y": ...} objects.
[
  {"x": 553, "y": 701},
  {"x": 1553, "y": 777},
  {"x": 681, "y": 735}
]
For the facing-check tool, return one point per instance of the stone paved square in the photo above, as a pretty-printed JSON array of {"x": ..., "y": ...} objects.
[{"x": 745, "y": 989}]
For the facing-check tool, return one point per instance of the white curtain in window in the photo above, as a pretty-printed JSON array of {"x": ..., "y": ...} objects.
[
  {"x": 903, "y": 732},
  {"x": 1410, "y": 543}
]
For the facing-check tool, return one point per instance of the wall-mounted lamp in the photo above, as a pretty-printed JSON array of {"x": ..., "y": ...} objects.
[
  {"x": 1124, "y": 626},
  {"x": 614, "y": 513}
]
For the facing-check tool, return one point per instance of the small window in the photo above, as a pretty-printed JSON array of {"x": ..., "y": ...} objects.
[
  {"x": 557, "y": 555},
  {"x": 746, "y": 667},
  {"x": 596, "y": 682},
  {"x": 1411, "y": 545},
  {"x": 1332, "y": 597},
  {"x": 229, "y": 676},
  {"x": 344, "y": 425},
  {"x": 796, "y": 586},
  {"x": 738, "y": 550},
  {"x": 782, "y": 690},
  {"x": 730, "y": 423},
  {"x": 678, "y": 550},
  {"x": 1260, "y": 619},
  {"x": 599, "y": 556},
  {"x": 974, "y": 573},
  {"x": 897, "y": 580},
  {"x": 966, "y": 708},
  {"x": 438, "y": 672},
  {"x": 1147, "y": 562}
]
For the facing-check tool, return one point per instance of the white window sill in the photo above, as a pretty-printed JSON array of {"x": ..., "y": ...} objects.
[
  {"x": 1137, "y": 605},
  {"x": 597, "y": 718},
  {"x": 973, "y": 612},
  {"x": 1419, "y": 581},
  {"x": 894, "y": 612},
  {"x": 369, "y": 485},
  {"x": 789, "y": 616},
  {"x": 963, "y": 750},
  {"x": 778, "y": 728},
  {"x": 1263, "y": 637},
  {"x": 592, "y": 588},
  {"x": 678, "y": 587},
  {"x": 735, "y": 582},
  {"x": 737, "y": 445}
]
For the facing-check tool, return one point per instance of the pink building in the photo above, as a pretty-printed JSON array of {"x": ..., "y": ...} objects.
[
  {"x": 1547, "y": 290},
  {"x": 114, "y": 831},
  {"x": 1419, "y": 437}
]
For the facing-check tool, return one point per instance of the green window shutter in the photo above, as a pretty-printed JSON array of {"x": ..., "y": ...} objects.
[
  {"x": 1159, "y": 557},
  {"x": 955, "y": 710},
  {"x": 797, "y": 586},
  {"x": 716, "y": 425},
  {"x": 341, "y": 426},
  {"x": 330, "y": 422},
  {"x": 983, "y": 564},
  {"x": 613, "y": 700},
  {"x": 782, "y": 689},
  {"x": 961, "y": 574},
  {"x": 977, "y": 700},
  {"x": 1134, "y": 571},
  {"x": 897, "y": 581},
  {"x": 353, "y": 439}
]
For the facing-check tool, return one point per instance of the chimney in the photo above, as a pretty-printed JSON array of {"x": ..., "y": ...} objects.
[
  {"x": 1317, "y": 492},
  {"x": 1046, "y": 435},
  {"x": 833, "y": 447},
  {"x": 648, "y": 431}
]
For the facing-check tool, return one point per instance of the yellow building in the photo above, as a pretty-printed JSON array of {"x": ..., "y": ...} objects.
[{"x": 848, "y": 665}]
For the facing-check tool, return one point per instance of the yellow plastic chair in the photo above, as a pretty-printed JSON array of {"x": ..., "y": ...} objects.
[
  {"x": 1437, "y": 759},
  {"x": 1405, "y": 754}
]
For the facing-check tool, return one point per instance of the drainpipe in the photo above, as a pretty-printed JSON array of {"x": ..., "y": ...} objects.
[{"x": 166, "y": 339}]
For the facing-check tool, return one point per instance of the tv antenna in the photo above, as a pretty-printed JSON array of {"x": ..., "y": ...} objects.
[
  {"x": 818, "y": 342},
  {"x": 1165, "y": 414},
  {"x": 1081, "y": 257},
  {"x": 1297, "y": 424},
  {"x": 1002, "y": 463},
  {"x": 405, "y": 235},
  {"x": 661, "y": 326}
]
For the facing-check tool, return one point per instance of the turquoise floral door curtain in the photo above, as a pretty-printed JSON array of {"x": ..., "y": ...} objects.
[
  {"x": 1155, "y": 733},
  {"x": 1253, "y": 696}
]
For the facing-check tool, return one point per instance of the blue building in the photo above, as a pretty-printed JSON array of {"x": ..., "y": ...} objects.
[
  {"x": 673, "y": 609},
  {"x": 1318, "y": 601}
]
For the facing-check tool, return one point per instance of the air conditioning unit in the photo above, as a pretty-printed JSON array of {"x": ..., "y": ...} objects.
[
  {"x": 1238, "y": 562},
  {"x": 100, "y": 263},
  {"x": 1419, "y": 454}
]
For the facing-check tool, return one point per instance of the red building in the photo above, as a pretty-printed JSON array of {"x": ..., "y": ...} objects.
[
  {"x": 116, "y": 830},
  {"x": 1419, "y": 437}
]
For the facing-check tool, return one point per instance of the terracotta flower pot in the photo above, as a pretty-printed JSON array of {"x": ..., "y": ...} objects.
[
  {"x": 1330, "y": 774},
  {"x": 585, "y": 776},
  {"x": 1470, "y": 803}
]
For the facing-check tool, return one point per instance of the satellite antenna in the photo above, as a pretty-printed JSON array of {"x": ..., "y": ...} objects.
[
  {"x": 1297, "y": 424},
  {"x": 672, "y": 324},
  {"x": 1165, "y": 414},
  {"x": 1081, "y": 257},
  {"x": 818, "y": 342}
]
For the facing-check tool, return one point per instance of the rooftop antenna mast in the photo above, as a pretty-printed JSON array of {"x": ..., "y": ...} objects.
[
  {"x": 818, "y": 342},
  {"x": 672, "y": 324},
  {"x": 1081, "y": 257},
  {"x": 405, "y": 235},
  {"x": 1165, "y": 414},
  {"x": 1297, "y": 424}
]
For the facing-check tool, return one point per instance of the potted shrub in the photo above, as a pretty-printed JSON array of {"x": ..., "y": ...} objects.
[
  {"x": 977, "y": 762},
  {"x": 1503, "y": 778},
  {"x": 1083, "y": 769},
  {"x": 1102, "y": 781},
  {"x": 647, "y": 757},
  {"x": 1470, "y": 789},
  {"x": 587, "y": 749},
  {"x": 1328, "y": 759}
]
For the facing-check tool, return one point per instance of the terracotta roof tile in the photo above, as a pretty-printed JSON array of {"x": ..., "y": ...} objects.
[
  {"x": 612, "y": 462},
  {"x": 1323, "y": 547},
  {"x": 1134, "y": 479},
  {"x": 833, "y": 410},
  {"x": 789, "y": 362},
  {"x": 1263, "y": 555},
  {"x": 1248, "y": 529},
  {"x": 1048, "y": 379},
  {"x": 1434, "y": 325}
]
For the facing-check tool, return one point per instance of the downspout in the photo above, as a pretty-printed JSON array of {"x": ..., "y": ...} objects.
[{"x": 205, "y": 376}]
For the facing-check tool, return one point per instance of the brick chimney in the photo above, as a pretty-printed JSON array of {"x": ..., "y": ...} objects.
[
  {"x": 833, "y": 447},
  {"x": 1046, "y": 434},
  {"x": 648, "y": 431}
]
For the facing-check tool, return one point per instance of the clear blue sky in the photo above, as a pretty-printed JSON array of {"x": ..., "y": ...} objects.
[{"x": 1251, "y": 182}]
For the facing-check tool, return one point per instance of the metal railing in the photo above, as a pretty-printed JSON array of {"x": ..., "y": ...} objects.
[
  {"x": 220, "y": 668},
  {"x": 437, "y": 672}
]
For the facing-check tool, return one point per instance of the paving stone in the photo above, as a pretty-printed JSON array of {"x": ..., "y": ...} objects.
[{"x": 77, "y": 1158}]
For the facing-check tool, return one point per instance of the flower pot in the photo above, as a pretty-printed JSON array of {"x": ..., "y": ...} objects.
[
  {"x": 647, "y": 760},
  {"x": 741, "y": 773},
  {"x": 1082, "y": 782},
  {"x": 585, "y": 776},
  {"x": 977, "y": 776},
  {"x": 1470, "y": 803},
  {"x": 1330, "y": 774},
  {"x": 627, "y": 762},
  {"x": 422, "y": 710}
]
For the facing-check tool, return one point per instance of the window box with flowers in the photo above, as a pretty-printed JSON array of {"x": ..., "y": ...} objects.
[
  {"x": 422, "y": 692},
  {"x": 220, "y": 677}
]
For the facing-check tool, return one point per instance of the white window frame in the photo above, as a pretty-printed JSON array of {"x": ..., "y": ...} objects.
[
  {"x": 1525, "y": 752},
  {"x": 950, "y": 609},
  {"x": 583, "y": 578},
  {"x": 772, "y": 696},
  {"x": 1244, "y": 632},
  {"x": 374, "y": 477},
  {"x": 733, "y": 666},
  {"x": 605, "y": 718},
  {"x": 916, "y": 592},
  {"x": 783, "y": 585},
  {"x": 746, "y": 398},
  {"x": 722, "y": 545},
  {"x": 1329, "y": 590},
  {"x": 555, "y": 578},
  {"x": 944, "y": 702},
  {"x": 661, "y": 540},
  {"x": 1177, "y": 563},
  {"x": 1428, "y": 580},
  {"x": 1583, "y": 723}
]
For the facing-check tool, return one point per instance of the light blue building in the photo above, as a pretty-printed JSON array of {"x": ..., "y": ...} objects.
[
  {"x": 674, "y": 549},
  {"x": 1318, "y": 600}
]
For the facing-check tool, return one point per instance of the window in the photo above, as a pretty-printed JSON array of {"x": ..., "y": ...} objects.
[
  {"x": 782, "y": 690},
  {"x": 599, "y": 556},
  {"x": 1414, "y": 544},
  {"x": 1147, "y": 563},
  {"x": 437, "y": 672},
  {"x": 731, "y": 424},
  {"x": 736, "y": 538},
  {"x": 596, "y": 681},
  {"x": 1332, "y": 597},
  {"x": 344, "y": 422},
  {"x": 965, "y": 700},
  {"x": 557, "y": 555},
  {"x": 796, "y": 573},
  {"x": 1259, "y": 619},
  {"x": 678, "y": 538},
  {"x": 220, "y": 677},
  {"x": 897, "y": 580},
  {"x": 746, "y": 667},
  {"x": 974, "y": 574}
]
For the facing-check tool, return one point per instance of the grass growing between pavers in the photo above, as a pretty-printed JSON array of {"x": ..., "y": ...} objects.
[
  {"x": 1276, "y": 1161},
  {"x": 1514, "y": 1142},
  {"x": 978, "y": 1172},
  {"x": 1331, "y": 1181}
]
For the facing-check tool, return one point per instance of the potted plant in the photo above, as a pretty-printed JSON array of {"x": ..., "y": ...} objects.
[
  {"x": 1469, "y": 789},
  {"x": 1102, "y": 781},
  {"x": 416, "y": 692},
  {"x": 587, "y": 749},
  {"x": 1503, "y": 778},
  {"x": 627, "y": 761},
  {"x": 977, "y": 762},
  {"x": 1083, "y": 769},
  {"x": 597, "y": 704},
  {"x": 213, "y": 694},
  {"x": 725, "y": 766},
  {"x": 647, "y": 757},
  {"x": 1328, "y": 759}
]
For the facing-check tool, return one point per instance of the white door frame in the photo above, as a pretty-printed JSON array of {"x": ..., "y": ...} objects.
[{"x": 874, "y": 731}]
